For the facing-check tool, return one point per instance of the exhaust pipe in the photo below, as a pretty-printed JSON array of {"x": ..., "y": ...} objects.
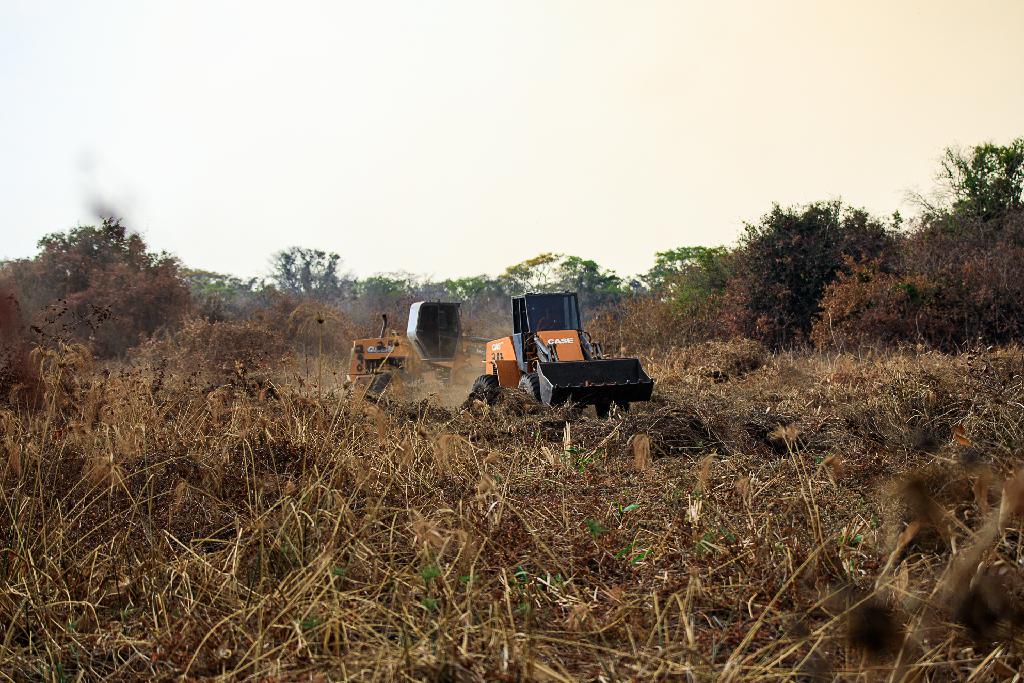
[{"x": 384, "y": 325}]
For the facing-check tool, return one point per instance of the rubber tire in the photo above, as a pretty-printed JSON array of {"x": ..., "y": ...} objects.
[
  {"x": 379, "y": 383},
  {"x": 602, "y": 409},
  {"x": 530, "y": 383},
  {"x": 623, "y": 406},
  {"x": 486, "y": 388}
]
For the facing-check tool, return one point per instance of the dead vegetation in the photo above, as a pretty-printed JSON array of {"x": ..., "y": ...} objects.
[{"x": 797, "y": 517}]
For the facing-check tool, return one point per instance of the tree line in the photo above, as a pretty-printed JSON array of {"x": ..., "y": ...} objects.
[{"x": 824, "y": 274}]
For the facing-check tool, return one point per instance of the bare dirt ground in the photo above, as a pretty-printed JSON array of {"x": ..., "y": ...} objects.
[{"x": 794, "y": 517}]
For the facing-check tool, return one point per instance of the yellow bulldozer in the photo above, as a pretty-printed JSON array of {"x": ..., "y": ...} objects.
[
  {"x": 553, "y": 359},
  {"x": 432, "y": 349}
]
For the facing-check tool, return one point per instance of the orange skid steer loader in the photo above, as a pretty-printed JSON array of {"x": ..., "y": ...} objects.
[{"x": 549, "y": 356}]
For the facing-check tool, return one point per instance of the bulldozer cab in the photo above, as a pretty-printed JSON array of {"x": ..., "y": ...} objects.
[
  {"x": 549, "y": 355},
  {"x": 434, "y": 329},
  {"x": 540, "y": 312}
]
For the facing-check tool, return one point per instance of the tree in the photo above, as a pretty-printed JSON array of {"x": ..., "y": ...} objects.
[
  {"x": 985, "y": 182},
  {"x": 384, "y": 286},
  {"x": 100, "y": 284},
  {"x": 689, "y": 275},
  {"x": 785, "y": 261},
  {"x": 537, "y": 274},
  {"x": 474, "y": 287},
  {"x": 594, "y": 284},
  {"x": 220, "y": 297},
  {"x": 308, "y": 272}
]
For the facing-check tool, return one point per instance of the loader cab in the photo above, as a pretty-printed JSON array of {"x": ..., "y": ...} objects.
[
  {"x": 434, "y": 329},
  {"x": 540, "y": 312}
]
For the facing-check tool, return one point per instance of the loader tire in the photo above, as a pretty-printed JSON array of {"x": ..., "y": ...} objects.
[
  {"x": 530, "y": 383},
  {"x": 486, "y": 388}
]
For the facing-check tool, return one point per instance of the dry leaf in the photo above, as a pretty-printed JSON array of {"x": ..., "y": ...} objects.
[
  {"x": 100, "y": 470},
  {"x": 704, "y": 474},
  {"x": 981, "y": 486},
  {"x": 908, "y": 535},
  {"x": 786, "y": 434},
  {"x": 615, "y": 593},
  {"x": 1013, "y": 496},
  {"x": 743, "y": 489},
  {"x": 578, "y": 616},
  {"x": 835, "y": 465},
  {"x": 641, "y": 452},
  {"x": 447, "y": 448},
  {"x": 960, "y": 436},
  {"x": 14, "y": 458},
  {"x": 901, "y": 581},
  {"x": 406, "y": 454},
  {"x": 427, "y": 533},
  {"x": 180, "y": 492},
  {"x": 485, "y": 485}
]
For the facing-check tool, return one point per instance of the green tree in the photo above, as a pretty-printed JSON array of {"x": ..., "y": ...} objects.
[
  {"x": 473, "y": 287},
  {"x": 384, "y": 286},
  {"x": 218, "y": 296},
  {"x": 689, "y": 275},
  {"x": 985, "y": 182},
  {"x": 307, "y": 272},
  {"x": 536, "y": 274},
  {"x": 594, "y": 284}
]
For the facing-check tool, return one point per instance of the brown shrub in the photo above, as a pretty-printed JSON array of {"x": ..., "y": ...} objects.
[
  {"x": 217, "y": 352},
  {"x": 17, "y": 374},
  {"x": 99, "y": 285},
  {"x": 646, "y": 322},
  {"x": 786, "y": 261},
  {"x": 867, "y": 306},
  {"x": 961, "y": 284}
]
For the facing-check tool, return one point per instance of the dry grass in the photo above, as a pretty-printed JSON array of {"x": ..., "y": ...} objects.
[{"x": 792, "y": 518}]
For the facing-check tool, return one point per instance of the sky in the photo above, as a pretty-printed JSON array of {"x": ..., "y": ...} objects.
[{"x": 455, "y": 138}]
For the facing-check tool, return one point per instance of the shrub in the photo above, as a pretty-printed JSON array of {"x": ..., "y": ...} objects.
[
  {"x": 954, "y": 289},
  {"x": 17, "y": 374},
  {"x": 786, "y": 261},
  {"x": 101, "y": 285},
  {"x": 647, "y": 323},
  {"x": 217, "y": 352},
  {"x": 980, "y": 271},
  {"x": 867, "y": 306}
]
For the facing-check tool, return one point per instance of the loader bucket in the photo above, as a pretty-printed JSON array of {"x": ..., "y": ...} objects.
[{"x": 594, "y": 381}]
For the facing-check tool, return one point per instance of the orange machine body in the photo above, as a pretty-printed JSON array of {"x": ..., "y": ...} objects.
[
  {"x": 552, "y": 358},
  {"x": 374, "y": 355},
  {"x": 501, "y": 359},
  {"x": 432, "y": 350}
]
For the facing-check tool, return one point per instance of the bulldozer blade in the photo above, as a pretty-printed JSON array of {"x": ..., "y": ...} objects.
[{"x": 622, "y": 380}]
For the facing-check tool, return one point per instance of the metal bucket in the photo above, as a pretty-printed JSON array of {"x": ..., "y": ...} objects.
[{"x": 621, "y": 380}]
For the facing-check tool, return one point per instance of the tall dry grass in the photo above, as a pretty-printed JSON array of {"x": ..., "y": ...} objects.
[{"x": 766, "y": 517}]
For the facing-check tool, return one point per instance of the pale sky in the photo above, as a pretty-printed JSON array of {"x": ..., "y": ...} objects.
[{"x": 453, "y": 138}]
